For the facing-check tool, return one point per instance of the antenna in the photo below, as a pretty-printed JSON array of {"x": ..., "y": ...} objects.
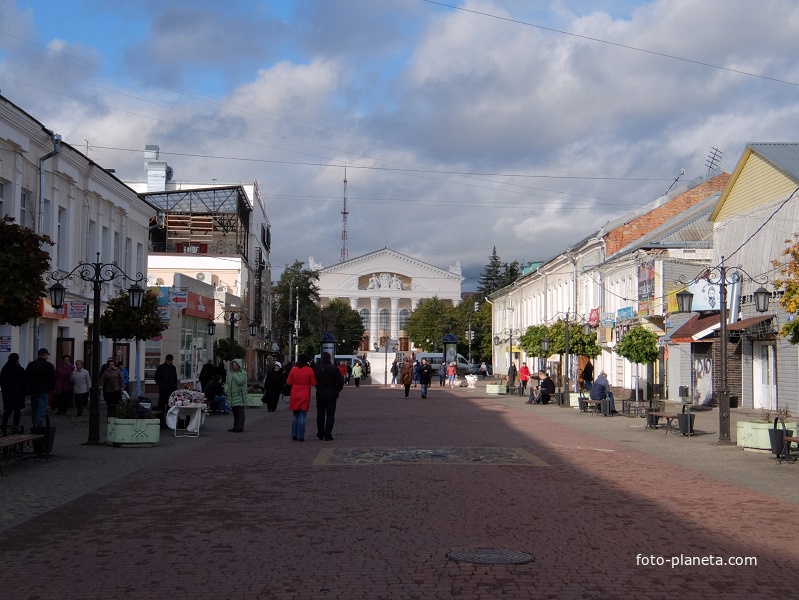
[
  {"x": 344, "y": 252},
  {"x": 676, "y": 179},
  {"x": 713, "y": 159}
]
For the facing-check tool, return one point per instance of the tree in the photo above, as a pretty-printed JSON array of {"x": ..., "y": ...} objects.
[
  {"x": 639, "y": 346},
  {"x": 490, "y": 280},
  {"x": 430, "y": 322},
  {"x": 301, "y": 285},
  {"x": 530, "y": 341},
  {"x": 228, "y": 349},
  {"x": 121, "y": 322},
  {"x": 510, "y": 273},
  {"x": 23, "y": 264},
  {"x": 344, "y": 323},
  {"x": 790, "y": 285}
]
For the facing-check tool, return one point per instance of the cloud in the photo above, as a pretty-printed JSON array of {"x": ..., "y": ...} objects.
[{"x": 461, "y": 132}]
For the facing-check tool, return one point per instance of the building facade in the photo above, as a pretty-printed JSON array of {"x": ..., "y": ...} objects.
[{"x": 384, "y": 287}]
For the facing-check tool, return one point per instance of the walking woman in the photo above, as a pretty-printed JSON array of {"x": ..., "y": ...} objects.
[
  {"x": 407, "y": 377},
  {"x": 111, "y": 383},
  {"x": 12, "y": 383},
  {"x": 273, "y": 385},
  {"x": 357, "y": 373},
  {"x": 63, "y": 384},
  {"x": 236, "y": 392},
  {"x": 301, "y": 379},
  {"x": 81, "y": 386}
]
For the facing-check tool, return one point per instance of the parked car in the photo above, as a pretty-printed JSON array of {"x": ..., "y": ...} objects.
[{"x": 475, "y": 369}]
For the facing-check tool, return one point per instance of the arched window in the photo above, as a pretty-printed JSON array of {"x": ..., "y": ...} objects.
[
  {"x": 403, "y": 318},
  {"x": 365, "y": 318},
  {"x": 384, "y": 319}
]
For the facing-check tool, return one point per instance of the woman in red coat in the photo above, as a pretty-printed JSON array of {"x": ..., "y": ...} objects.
[
  {"x": 301, "y": 378},
  {"x": 524, "y": 376}
]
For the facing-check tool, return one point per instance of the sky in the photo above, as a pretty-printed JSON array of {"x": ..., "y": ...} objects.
[{"x": 464, "y": 126}]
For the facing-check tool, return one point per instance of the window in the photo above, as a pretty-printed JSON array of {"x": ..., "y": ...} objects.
[
  {"x": 25, "y": 213},
  {"x": 2, "y": 187},
  {"x": 404, "y": 315},
  {"x": 384, "y": 319},
  {"x": 105, "y": 244},
  {"x": 61, "y": 245},
  {"x": 117, "y": 248},
  {"x": 140, "y": 258},
  {"x": 91, "y": 243},
  {"x": 129, "y": 256},
  {"x": 365, "y": 318}
]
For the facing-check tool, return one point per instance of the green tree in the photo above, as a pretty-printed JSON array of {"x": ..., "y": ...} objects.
[
  {"x": 481, "y": 324},
  {"x": 297, "y": 284},
  {"x": 121, "y": 322},
  {"x": 639, "y": 346},
  {"x": 491, "y": 279},
  {"x": 344, "y": 323},
  {"x": 228, "y": 349},
  {"x": 789, "y": 283},
  {"x": 432, "y": 320},
  {"x": 530, "y": 341},
  {"x": 23, "y": 264},
  {"x": 510, "y": 273}
]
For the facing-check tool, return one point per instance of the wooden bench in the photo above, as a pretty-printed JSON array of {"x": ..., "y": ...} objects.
[
  {"x": 15, "y": 444},
  {"x": 670, "y": 418},
  {"x": 785, "y": 454}
]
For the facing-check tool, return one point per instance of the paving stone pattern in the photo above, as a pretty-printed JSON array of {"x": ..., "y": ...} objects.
[{"x": 258, "y": 516}]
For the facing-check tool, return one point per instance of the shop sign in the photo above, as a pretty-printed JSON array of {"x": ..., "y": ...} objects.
[{"x": 625, "y": 313}]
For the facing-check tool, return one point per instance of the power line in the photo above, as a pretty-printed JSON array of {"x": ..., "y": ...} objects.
[{"x": 616, "y": 44}]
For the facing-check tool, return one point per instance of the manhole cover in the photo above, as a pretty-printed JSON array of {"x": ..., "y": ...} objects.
[{"x": 490, "y": 556}]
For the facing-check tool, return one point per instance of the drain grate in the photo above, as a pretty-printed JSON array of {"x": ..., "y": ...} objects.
[{"x": 490, "y": 556}]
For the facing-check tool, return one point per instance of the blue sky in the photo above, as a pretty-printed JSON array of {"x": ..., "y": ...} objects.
[{"x": 462, "y": 127}]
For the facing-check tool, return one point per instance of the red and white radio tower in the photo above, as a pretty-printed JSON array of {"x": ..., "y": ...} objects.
[{"x": 344, "y": 252}]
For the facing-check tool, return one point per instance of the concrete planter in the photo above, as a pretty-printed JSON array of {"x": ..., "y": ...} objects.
[
  {"x": 755, "y": 435},
  {"x": 495, "y": 389},
  {"x": 254, "y": 401},
  {"x": 133, "y": 432}
]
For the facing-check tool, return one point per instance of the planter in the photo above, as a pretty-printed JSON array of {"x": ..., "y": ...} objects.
[
  {"x": 133, "y": 432},
  {"x": 756, "y": 435},
  {"x": 495, "y": 389},
  {"x": 254, "y": 401}
]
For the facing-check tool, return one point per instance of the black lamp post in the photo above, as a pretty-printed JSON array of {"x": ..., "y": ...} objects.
[
  {"x": 720, "y": 275},
  {"x": 96, "y": 273}
]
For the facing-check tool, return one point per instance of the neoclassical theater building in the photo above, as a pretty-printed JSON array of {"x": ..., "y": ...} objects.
[{"x": 385, "y": 287}]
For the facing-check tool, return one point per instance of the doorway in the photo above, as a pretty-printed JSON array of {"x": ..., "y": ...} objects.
[{"x": 764, "y": 375}]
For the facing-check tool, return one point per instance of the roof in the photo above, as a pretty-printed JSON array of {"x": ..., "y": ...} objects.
[
  {"x": 691, "y": 228},
  {"x": 702, "y": 325},
  {"x": 783, "y": 156}
]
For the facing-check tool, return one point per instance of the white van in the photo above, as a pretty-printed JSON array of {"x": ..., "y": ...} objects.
[
  {"x": 349, "y": 359},
  {"x": 435, "y": 358}
]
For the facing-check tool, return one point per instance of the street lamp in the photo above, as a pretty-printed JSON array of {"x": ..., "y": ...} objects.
[
  {"x": 720, "y": 275},
  {"x": 95, "y": 273}
]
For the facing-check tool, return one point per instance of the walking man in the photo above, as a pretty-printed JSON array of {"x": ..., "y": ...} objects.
[
  {"x": 329, "y": 384},
  {"x": 425, "y": 376},
  {"x": 40, "y": 376}
]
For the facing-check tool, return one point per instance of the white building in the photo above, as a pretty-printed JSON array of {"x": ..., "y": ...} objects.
[
  {"x": 86, "y": 211},
  {"x": 384, "y": 287}
]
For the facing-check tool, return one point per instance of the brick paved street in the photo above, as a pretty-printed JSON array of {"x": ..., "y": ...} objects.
[{"x": 373, "y": 514}]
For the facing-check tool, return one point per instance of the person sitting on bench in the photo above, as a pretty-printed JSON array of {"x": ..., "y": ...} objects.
[
  {"x": 546, "y": 387},
  {"x": 600, "y": 390}
]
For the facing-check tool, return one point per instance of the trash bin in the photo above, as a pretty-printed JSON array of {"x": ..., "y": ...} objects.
[
  {"x": 776, "y": 436},
  {"x": 651, "y": 420},
  {"x": 685, "y": 420},
  {"x": 733, "y": 401}
]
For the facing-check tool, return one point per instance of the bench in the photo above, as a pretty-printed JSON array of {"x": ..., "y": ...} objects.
[
  {"x": 785, "y": 454},
  {"x": 16, "y": 442},
  {"x": 585, "y": 403},
  {"x": 659, "y": 414}
]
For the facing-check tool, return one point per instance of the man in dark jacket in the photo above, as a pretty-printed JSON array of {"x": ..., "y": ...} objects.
[
  {"x": 329, "y": 383},
  {"x": 166, "y": 378},
  {"x": 601, "y": 391},
  {"x": 40, "y": 376},
  {"x": 425, "y": 376},
  {"x": 547, "y": 387}
]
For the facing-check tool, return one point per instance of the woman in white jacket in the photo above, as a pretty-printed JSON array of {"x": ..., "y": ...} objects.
[{"x": 81, "y": 385}]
